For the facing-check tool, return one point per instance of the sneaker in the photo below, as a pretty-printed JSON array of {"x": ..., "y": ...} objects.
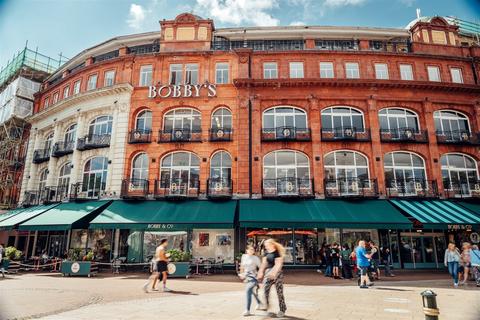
[
  {"x": 455, "y": 285},
  {"x": 280, "y": 314},
  {"x": 155, "y": 289},
  {"x": 145, "y": 288},
  {"x": 165, "y": 289},
  {"x": 319, "y": 271},
  {"x": 363, "y": 287},
  {"x": 247, "y": 314}
]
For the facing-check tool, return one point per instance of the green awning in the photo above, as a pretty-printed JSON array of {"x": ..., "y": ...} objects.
[
  {"x": 25, "y": 215},
  {"x": 165, "y": 215},
  {"x": 474, "y": 207},
  {"x": 437, "y": 214},
  {"x": 11, "y": 213},
  {"x": 71, "y": 215},
  {"x": 378, "y": 214}
]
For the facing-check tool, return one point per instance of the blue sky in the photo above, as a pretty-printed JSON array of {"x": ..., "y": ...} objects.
[{"x": 69, "y": 26}]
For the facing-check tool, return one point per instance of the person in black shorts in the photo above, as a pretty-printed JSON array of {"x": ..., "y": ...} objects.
[{"x": 335, "y": 254}]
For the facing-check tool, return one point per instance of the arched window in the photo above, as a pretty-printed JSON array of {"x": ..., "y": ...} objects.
[
  {"x": 64, "y": 179},
  {"x": 460, "y": 174},
  {"x": 70, "y": 133},
  {"x": 404, "y": 173},
  {"x": 395, "y": 119},
  {"x": 184, "y": 118},
  {"x": 179, "y": 172},
  {"x": 48, "y": 142},
  {"x": 139, "y": 172},
  {"x": 342, "y": 117},
  {"x": 222, "y": 119},
  {"x": 451, "y": 126},
  {"x": 101, "y": 126},
  {"x": 220, "y": 179},
  {"x": 95, "y": 176},
  {"x": 144, "y": 122},
  {"x": 285, "y": 172},
  {"x": 42, "y": 181},
  {"x": 346, "y": 172},
  {"x": 284, "y": 116}
]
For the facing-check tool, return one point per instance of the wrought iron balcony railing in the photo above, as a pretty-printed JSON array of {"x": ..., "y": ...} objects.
[
  {"x": 41, "y": 155},
  {"x": 402, "y": 46},
  {"x": 458, "y": 137},
  {"x": 93, "y": 141},
  {"x": 31, "y": 198},
  {"x": 219, "y": 188},
  {"x": 289, "y": 187},
  {"x": 54, "y": 194},
  {"x": 286, "y": 133},
  {"x": 461, "y": 189},
  {"x": 414, "y": 188},
  {"x": 180, "y": 135},
  {"x": 221, "y": 134},
  {"x": 176, "y": 189},
  {"x": 345, "y": 133},
  {"x": 16, "y": 162},
  {"x": 134, "y": 189},
  {"x": 140, "y": 136},
  {"x": 63, "y": 148},
  {"x": 351, "y": 187},
  {"x": 404, "y": 135},
  {"x": 81, "y": 191}
]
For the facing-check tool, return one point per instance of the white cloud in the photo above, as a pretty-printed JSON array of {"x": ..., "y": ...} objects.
[
  {"x": 408, "y": 3},
  {"x": 343, "y": 3},
  {"x": 136, "y": 16},
  {"x": 297, "y": 23},
  {"x": 237, "y": 12}
]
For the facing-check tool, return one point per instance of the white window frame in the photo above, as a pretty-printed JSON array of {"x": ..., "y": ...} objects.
[
  {"x": 459, "y": 116},
  {"x": 434, "y": 74},
  {"x": 407, "y": 113},
  {"x": 354, "y": 167},
  {"x": 146, "y": 75},
  {"x": 185, "y": 118},
  {"x": 87, "y": 176},
  {"x": 281, "y": 115},
  {"x": 219, "y": 119},
  {"x": 456, "y": 74},
  {"x": 222, "y": 70},
  {"x": 172, "y": 166},
  {"x": 192, "y": 73},
  {"x": 92, "y": 82},
  {"x": 55, "y": 97},
  {"x": 406, "y": 72},
  {"x": 381, "y": 71},
  {"x": 178, "y": 70},
  {"x": 101, "y": 126},
  {"x": 346, "y": 114},
  {"x": 46, "y": 102},
  {"x": 296, "y": 69},
  {"x": 352, "y": 70},
  {"x": 327, "y": 70},
  {"x": 139, "y": 173},
  {"x": 109, "y": 78},
  {"x": 449, "y": 169},
  {"x": 70, "y": 134},
  {"x": 270, "y": 70},
  {"x": 224, "y": 178},
  {"x": 66, "y": 92},
  {"x": 77, "y": 86},
  {"x": 146, "y": 116},
  {"x": 410, "y": 184}
]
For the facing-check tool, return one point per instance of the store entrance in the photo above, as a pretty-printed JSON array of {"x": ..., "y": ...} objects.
[{"x": 425, "y": 250}]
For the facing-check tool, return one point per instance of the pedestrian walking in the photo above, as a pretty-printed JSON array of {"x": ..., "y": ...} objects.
[
  {"x": 328, "y": 261},
  {"x": 452, "y": 260},
  {"x": 363, "y": 263},
  {"x": 375, "y": 261},
  {"x": 466, "y": 261},
  {"x": 2, "y": 255},
  {"x": 335, "y": 256},
  {"x": 386, "y": 259},
  {"x": 346, "y": 267},
  {"x": 271, "y": 273},
  {"x": 161, "y": 262},
  {"x": 249, "y": 266}
]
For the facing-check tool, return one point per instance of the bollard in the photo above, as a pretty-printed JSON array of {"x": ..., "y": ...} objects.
[{"x": 430, "y": 308}]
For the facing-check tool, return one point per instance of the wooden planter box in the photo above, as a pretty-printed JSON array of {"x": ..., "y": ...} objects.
[
  {"x": 182, "y": 270},
  {"x": 79, "y": 268}
]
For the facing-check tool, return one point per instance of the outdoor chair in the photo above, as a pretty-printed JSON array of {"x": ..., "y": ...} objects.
[{"x": 218, "y": 266}]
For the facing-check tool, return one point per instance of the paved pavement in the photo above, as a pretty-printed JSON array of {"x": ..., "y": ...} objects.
[{"x": 221, "y": 297}]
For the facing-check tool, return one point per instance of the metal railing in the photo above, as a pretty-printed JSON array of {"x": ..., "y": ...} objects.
[
  {"x": 415, "y": 188},
  {"x": 345, "y": 133},
  {"x": 461, "y": 189},
  {"x": 106, "y": 56},
  {"x": 337, "y": 45},
  {"x": 176, "y": 188},
  {"x": 351, "y": 187},
  {"x": 145, "y": 48},
  {"x": 81, "y": 191},
  {"x": 219, "y": 188},
  {"x": 288, "y": 187},
  {"x": 41, "y": 155},
  {"x": 63, "y": 148},
  {"x": 31, "y": 198},
  {"x": 134, "y": 188},
  {"x": 54, "y": 194},
  {"x": 287, "y": 133},
  {"x": 404, "y": 135},
  {"x": 457, "y": 137},
  {"x": 220, "y": 43},
  {"x": 400, "y": 46},
  {"x": 221, "y": 134},
  {"x": 140, "y": 136},
  {"x": 93, "y": 141},
  {"x": 180, "y": 135}
]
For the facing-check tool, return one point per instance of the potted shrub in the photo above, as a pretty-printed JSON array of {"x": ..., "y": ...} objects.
[
  {"x": 181, "y": 260},
  {"x": 78, "y": 264}
]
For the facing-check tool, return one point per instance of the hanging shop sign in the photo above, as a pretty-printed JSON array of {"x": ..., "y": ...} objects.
[{"x": 182, "y": 90}]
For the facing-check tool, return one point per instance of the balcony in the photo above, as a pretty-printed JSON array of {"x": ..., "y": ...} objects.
[
  {"x": 16, "y": 163},
  {"x": 63, "y": 148},
  {"x": 80, "y": 191},
  {"x": 218, "y": 188},
  {"x": 404, "y": 135},
  {"x": 93, "y": 141},
  {"x": 54, "y": 194},
  {"x": 179, "y": 135},
  {"x": 176, "y": 189},
  {"x": 31, "y": 198},
  {"x": 351, "y": 188},
  {"x": 345, "y": 134},
  {"x": 286, "y": 134},
  {"x": 289, "y": 187},
  {"x": 400, "y": 46},
  {"x": 134, "y": 189},
  {"x": 337, "y": 45},
  {"x": 461, "y": 189},
  {"x": 41, "y": 155},
  {"x": 411, "y": 188},
  {"x": 140, "y": 136},
  {"x": 457, "y": 137},
  {"x": 221, "y": 134}
]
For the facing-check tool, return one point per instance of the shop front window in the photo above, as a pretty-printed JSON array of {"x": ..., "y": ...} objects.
[
  {"x": 306, "y": 246},
  {"x": 151, "y": 240},
  {"x": 213, "y": 244},
  {"x": 78, "y": 239},
  {"x": 257, "y": 237},
  {"x": 100, "y": 242},
  {"x": 351, "y": 237}
]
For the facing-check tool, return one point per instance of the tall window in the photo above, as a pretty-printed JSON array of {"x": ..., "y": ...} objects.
[
  {"x": 406, "y": 72},
  {"x": 296, "y": 69},
  {"x": 221, "y": 73},
  {"x": 109, "y": 78},
  {"x": 326, "y": 70},
  {"x": 456, "y": 74},
  {"x": 46, "y": 102},
  {"x": 42, "y": 181},
  {"x": 222, "y": 119},
  {"x": 191, "y": 73},
  {"x": 339, "y": 118},
  {"x": 433, "y": 73},
  {"x": 352, "y": 70},
  {"x": 64, "y": 179},
  {"x": 175, "y": 74},
  {"x": 182, "y": 119},
  {"x": 70, "y": 133},
  {"x": 66, "y": 92},
  {"x": 381, "y": 71},
  {"x": 284, "y": 117},
  {"x": 180, "y": 171},
  {"x": 76, "y": 86},
  {"x": 139, "y": 170},
  {"x": 146, "y": 75},
  {"x": 48, "y": 142},
  {"x": 285, "y": 171},
  {"x": 92, "y": 82},
  {"x": 95, "y": 176},
  {"x": 450, "y": 122},
  {"x": 270, "y": 70},
  {"x": 397, "y": 119},
  {"x": 144, "y": 122},
  {"x": 346, "y": 171},
  {"x": 459, "y": 174},
  {"x": 405, "y": 172},
  {"x": 55, "y": 98},
  {"x": 221, "y": 167},
  {"x": 101, "y": 126}
]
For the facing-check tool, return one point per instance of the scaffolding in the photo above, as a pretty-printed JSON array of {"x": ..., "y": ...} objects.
[{"x": 466, "y": 29}]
